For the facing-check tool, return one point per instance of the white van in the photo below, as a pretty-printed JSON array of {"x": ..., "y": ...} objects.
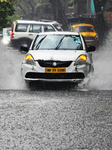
[{"x": 24, "y": 31}]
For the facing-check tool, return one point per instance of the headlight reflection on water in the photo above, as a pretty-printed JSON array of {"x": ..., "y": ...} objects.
[{"x": 6, "y": 41}]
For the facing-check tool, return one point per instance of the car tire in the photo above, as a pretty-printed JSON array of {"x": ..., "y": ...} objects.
[{"x": 24, "y": 41}]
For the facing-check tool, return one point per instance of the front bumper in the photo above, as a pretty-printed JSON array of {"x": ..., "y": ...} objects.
[{"x": 72, "y": 74}]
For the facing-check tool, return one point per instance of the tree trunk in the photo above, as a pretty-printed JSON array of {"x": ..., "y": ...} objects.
[{"x": 59, "y": 14}]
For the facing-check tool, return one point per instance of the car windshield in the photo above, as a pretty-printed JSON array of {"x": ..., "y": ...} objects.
[
  {"x": 84, "y": 29},
  {"x": 57, "y": 42}
]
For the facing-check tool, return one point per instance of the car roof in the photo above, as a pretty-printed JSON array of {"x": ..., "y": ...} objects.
[
  {"x": 82, "y": 24},
  {"x": 49, "y": 21},
  {"x": 35, "y": 22},
  {"x": 59, "y": 33}
]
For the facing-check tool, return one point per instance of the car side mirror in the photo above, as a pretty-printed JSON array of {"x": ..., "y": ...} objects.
[
  {"x": 91, "y": 48},
  {"x": 24, "y": 48}
]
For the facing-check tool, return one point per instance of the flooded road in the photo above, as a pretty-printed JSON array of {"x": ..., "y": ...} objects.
[
  {"x": 55, "y": 120},
  {"x": 102, "y": 58},
  {"x": 52, "y": 118},
  {"x": 10, "y": 60}
]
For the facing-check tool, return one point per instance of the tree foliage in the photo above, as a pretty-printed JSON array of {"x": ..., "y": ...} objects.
[
  {"x": 6, "y": 10},
  {"x": 33, "y": 10},
  {"x": 29, "y": 9}
]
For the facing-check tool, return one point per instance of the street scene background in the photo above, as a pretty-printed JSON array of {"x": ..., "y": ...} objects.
[{"x": 57, "y": 116}]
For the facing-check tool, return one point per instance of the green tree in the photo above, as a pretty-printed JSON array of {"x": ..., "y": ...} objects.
[
  {"x": 6, "y": 10},
  {"x": 32, "y": 9},
  {"x": 29, "y": 9}
]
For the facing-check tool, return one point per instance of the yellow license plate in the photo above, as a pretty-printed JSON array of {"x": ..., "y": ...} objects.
[{"x": 55, "y": 70}]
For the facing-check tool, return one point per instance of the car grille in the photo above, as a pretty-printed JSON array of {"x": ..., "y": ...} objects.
[
  {"x": 89, "y": 38},
  {"x": 54, "y": 64},
  {"x": 55, "y": 75}
]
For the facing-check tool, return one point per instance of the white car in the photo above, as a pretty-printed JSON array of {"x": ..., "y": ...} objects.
[
  {"x": 6, "y": 35},
  {"x": 57, "y": 57},
  {"x": 24, "y": 31}
]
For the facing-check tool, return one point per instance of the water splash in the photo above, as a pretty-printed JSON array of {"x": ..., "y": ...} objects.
[
  {"x": 102, "y": 79},
  {"x": 10, "y": 64}
]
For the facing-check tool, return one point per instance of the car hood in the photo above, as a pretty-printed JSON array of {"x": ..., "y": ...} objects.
[{"x": 63, "y": 55}]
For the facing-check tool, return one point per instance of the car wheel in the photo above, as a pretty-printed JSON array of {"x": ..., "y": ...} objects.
[{"x": 24, "y": 41}]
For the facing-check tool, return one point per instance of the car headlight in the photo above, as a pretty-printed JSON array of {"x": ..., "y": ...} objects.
[
  {"x": 81, "y": 60},
  {"x": 29, "y": 60},
  {"x": 96, "y": 36}
]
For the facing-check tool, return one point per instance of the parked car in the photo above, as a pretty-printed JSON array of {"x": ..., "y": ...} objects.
[
  {"x": 24, "y": 31},
  {"x": 6, "y": 35},
  {"x": 88, "y": 31},
  {"x": 57, "y": 57}
]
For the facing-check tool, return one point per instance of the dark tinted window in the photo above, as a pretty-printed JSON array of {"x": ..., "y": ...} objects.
[
  {"x": 21, "y": 27},
  {"x": 48, "y": 28},
  {"x": 84, "y": 29},
  {"x": 35, "y": 28}
]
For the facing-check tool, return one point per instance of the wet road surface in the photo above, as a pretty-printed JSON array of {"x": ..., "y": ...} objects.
[
  {"x": 52, "y": 117},
  {"x": 55, "y": 120}
]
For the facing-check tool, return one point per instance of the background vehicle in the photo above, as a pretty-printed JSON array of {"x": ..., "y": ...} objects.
[
  {"x": 57, "y": 57},
  {"x": 6, "y": 35},
  {"x": 88, "y": 31},
  {"x": 24, "y": 31}
]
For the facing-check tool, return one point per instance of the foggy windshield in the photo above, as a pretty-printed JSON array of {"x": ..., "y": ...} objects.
[{"x": 57, "y": 42}]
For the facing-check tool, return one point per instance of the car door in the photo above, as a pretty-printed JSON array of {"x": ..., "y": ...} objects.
[
  {"x": 21, "y": 30},
  {"x": 48, "y": 28},
  {"x": 34, "y": 29}
]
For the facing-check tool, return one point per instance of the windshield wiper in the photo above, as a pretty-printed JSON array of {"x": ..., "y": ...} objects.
[
  {"x": 39, "y": 43},
  {"x": 58, "y": 46}
]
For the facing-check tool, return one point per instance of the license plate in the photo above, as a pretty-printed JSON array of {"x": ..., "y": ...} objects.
[{"x": 55, "y": 70}]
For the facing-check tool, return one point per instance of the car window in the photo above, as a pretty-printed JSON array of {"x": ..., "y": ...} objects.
[
  {"x": 84, "y": 29},
  {"x": 71, "y": 29},
  {"x": 35, "y": 28},
  {"x": 21, "y": 27},
  {"x": 58, "y": 42},
  {"x": 77, "y": 29},
  {"x": 48, "y": 28},
  {"x": 37, "y": 41},
  {"x": 70, "y": 42},
  {"x": 6, "y": 32}
]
